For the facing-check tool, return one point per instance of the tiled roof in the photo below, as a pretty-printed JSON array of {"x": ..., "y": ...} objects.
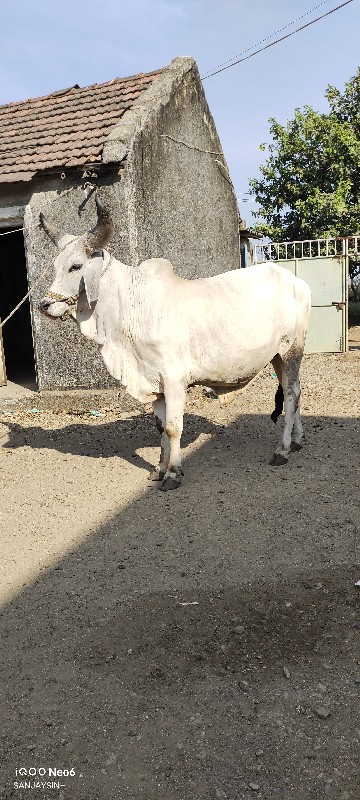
[{"x": 64, "y": 129}]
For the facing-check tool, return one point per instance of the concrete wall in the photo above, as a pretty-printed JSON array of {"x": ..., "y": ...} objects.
[
  {"x": 167, "y": 199},
  {"x": 182, "y": 204}
]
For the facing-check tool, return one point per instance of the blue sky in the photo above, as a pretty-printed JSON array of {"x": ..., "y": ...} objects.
[{"x": 46, "y": 46}]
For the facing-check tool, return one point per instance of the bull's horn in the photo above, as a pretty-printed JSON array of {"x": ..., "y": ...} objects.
[
  {"x": 100, "y": 235},
  {"x": 52, "y": 231}
]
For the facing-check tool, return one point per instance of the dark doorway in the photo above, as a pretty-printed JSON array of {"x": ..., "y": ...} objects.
[{"x": 17, "y": 333}]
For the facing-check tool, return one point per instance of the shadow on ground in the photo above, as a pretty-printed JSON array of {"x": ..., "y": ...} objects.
[
  {"x": 116, "y": 438},
  {"x": 203, "y": 643}
]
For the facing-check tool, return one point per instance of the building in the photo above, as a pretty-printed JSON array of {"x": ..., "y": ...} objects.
[
  {"x": 247, "y": 238},
  {"x": 149, "y": 144}
]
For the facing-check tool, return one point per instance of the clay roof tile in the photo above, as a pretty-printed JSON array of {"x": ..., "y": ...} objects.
[{"x": 66, "y": 128}]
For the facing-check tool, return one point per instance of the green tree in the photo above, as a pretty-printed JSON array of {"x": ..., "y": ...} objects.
[{"x": 310, "y": 183}]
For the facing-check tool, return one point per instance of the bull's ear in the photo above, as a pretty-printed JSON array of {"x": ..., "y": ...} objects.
[{"x": 92, "y": 275}]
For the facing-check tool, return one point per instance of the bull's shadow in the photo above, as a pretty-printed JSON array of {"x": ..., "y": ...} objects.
[
  {"x": 121, "y": 437},
  {"x": 249, "y": 437}
]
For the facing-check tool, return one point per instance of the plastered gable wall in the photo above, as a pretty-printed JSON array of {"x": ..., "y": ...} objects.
[{"x": 185, "y": 207}]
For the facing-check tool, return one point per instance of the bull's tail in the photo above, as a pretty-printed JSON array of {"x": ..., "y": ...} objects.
[{"x": 279, "y": 404}]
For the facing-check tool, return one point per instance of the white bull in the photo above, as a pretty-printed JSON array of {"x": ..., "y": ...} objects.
[{"x": 158, "y": 333}]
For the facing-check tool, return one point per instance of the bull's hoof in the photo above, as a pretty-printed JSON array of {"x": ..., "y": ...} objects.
[
  {"x": 170, "y": 483},
  {"x": 295, "y": 447},
  {"x": 156, "y": 475},
  {"x": 278, "y": 460}
]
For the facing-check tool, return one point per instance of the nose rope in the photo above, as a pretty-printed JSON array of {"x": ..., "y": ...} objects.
[{"x": 60, "y": 298}]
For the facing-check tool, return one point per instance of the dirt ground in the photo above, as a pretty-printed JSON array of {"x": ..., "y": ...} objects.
[{"x": 198, "y": 644}]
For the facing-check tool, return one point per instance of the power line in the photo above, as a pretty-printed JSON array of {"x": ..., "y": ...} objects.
[
  {"x": 243, "y": 52},
  {"x": 281, "y": 39}
]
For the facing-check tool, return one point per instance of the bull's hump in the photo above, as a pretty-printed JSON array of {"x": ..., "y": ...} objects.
[{"x": 156, "y": 266}]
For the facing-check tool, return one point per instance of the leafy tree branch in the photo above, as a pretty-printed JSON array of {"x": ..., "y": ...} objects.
[{"x": 310, "y": 183}]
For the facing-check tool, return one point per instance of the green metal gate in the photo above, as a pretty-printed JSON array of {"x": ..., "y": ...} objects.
[{"x": 323, "y": 264}]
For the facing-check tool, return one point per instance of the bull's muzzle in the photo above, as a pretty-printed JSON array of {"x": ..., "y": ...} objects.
[{"x": 54, "y": 297}]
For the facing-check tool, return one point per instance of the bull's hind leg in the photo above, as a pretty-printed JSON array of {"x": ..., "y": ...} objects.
[
  {"x": 160, "y": 418},
  {"x": 297, "y": 435},
  {"x": 287, "y": 369}
]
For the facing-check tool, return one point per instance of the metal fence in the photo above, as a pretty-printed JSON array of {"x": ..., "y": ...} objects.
[{"x": 308, "y": 248}]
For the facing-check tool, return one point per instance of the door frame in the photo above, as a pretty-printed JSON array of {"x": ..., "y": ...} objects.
[
  {"x": 3, "y": 378},
  {"x": 13, "y": 217}
]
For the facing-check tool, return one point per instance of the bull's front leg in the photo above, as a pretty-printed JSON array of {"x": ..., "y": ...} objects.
[
  {"x": 159, "y": 414},
  {"x": 175, "y": 396}
]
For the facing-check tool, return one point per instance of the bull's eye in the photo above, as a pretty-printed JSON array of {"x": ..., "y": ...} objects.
[{"x": 74, "y": 267}]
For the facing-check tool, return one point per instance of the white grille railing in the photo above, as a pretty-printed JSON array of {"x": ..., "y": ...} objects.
[{"x": 308, "y": 248}]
